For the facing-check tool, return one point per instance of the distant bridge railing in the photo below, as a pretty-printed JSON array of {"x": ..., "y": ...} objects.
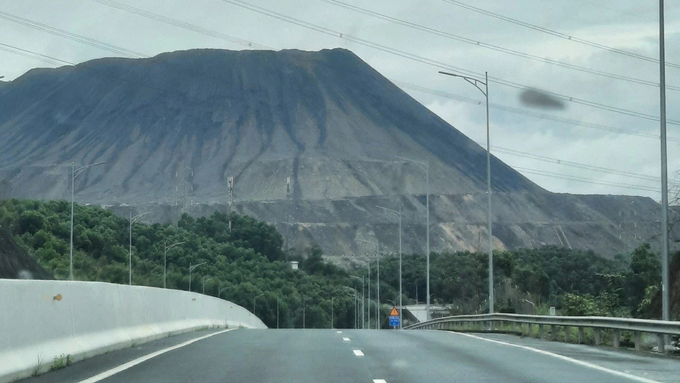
[{"x": 526, "y": 323}]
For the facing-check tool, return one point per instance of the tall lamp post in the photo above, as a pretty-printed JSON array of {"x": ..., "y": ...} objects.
[
  {"x": 165, "y": 260},
  {"x": 665, "y": 286},
  {"x": 476, "y": 83},
  {"x": 191, "y": 269},
  {"x": 304, "y": 313},
  {"x": 377, "y": 311},
  {"x": 363, "y": 299},
  {"x": 427, "y": 228},
  {"x": 132, "y": 222},
  {"x": 254, "y": 299},
  {"x": 75, "y": 172},
  {"x": 398, "y": 214},
  {"x": 220, "y": 290},
  {"x": 204, "y": 281}
]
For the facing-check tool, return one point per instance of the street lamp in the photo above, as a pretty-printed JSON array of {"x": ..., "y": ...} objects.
[
  {"x": 254, "y": 302},
  {"x": 427, "y": 230},
  {"x": 398, "y": 214},
  {"x": 220, "y": 290},
  {"x": 665, "y": 276},
  {"x": 475, "y": 82},
  {"x": 165, "y": 260},
  {"x": 332, "y": 313},
  {"x": 191, "y": 268},
  {"x": 132, "y": 221},
  {"x": 363, "y": 299},
  {"x": 75, "y": 172},
  {"x": 354, "y": 294},
  {"x": 377, "y": 311},
  {"x": 204, "y": 280},
  {"x": 304, "y": 314}
]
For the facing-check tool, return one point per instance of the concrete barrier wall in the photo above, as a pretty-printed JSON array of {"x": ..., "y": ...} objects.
[{"x": 94, "y": 317}]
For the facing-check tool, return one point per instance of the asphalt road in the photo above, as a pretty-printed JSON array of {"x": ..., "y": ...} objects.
[{"x": 330, "y": 356}]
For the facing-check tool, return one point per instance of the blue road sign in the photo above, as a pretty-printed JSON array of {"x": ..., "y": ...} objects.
[{"x": 394, "y": 321}]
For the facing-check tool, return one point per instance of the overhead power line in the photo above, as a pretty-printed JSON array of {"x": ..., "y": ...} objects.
[
  {"x": 32, "y": 55},
  {"x": 543, "y": 116},
  {"x": 180, "y": 24},
  {"x": 67, "y": 35},
  {"x": 583, "y": 179},
  {"x": 495, "y": 47},
  {"x": 573, "y": 164},
  {"x": 439, "y": 64},
  {"x": 558, "y": 34}
]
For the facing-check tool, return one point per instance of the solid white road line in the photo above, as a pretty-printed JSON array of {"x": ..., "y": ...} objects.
[
  {"x": 144, "y": 358},
  {"x": 562, "y": 357},
  {"x": 358, "y": 353},
  {"x": 345, "y": 339},
  {"x": 379, "y": 381}
]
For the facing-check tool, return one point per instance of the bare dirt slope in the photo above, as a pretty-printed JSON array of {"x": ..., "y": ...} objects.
[{"x": 173, "y": 128}]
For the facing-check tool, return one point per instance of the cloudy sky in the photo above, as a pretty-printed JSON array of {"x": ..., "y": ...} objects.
[{"x": 590, "y": 51}]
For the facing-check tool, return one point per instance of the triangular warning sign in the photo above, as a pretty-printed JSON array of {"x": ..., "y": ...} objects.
[{"x": 394, "y": 312}]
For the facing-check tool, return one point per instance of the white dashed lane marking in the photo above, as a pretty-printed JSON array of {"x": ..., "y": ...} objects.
[
  {"x": 379, "y": 381},
  {"x": 339, "y": 332},
  {"x": 345, "y": 339},
  {"x": 358, "y": 353}
]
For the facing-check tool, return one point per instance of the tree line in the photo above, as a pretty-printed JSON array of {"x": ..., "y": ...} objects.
[{"x": 248, "y": 266}]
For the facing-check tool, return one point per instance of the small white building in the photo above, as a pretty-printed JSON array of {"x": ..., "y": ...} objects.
[{"x": 294, "y": 265}]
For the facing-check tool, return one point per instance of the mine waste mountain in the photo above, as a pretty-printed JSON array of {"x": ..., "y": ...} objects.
[{"x": 313, "y": 141}]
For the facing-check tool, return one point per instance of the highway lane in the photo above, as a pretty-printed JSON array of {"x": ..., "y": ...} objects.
[{"x": 365, "y": 356}]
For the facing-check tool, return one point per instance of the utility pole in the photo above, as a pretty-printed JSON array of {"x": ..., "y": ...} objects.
[
  {"x": 132, "y": 222},
  {"x": 191, "y": 268},
  {"x": 377, "y": 308},
  {"x": 75, "y": 172},
  {"x": 427, "y": 246},
  {"x": 290, "y": 203},
  {"x": 369, "y": 294},
  {"x": 332, "y": 314},
  {"x": 398, "y": 214},
  {"x": 165, "y": 260},
  {"x": 204, "y": 280},
  {"x": 230, "y": 182},
  {"x": 277, "y": 312},
  {"x": 254, "y": 299},
  {"x": 304, "y": 314},
  {"x": 665, "y": 287},
  {"x": 475, "y": 82},
  {"x": 427, "y": 227}
]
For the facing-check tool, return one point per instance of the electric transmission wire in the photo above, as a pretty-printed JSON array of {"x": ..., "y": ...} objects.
[
  {"x": 557, "y": 34},
  {"x": 67, "y": 35},
  {"x": 583, "y": 179},
  {"x": 439, "y": 64},
  {"x": 32, "y": 55},
  {"x": 573, "y": 164},
  {"x": 495, "y": 47},
  {"x": 180, "y": 24},
  {"x": 543, "y": 116}
]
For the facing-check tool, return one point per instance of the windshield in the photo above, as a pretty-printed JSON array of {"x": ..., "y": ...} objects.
[{"x": 174, "y": 173}]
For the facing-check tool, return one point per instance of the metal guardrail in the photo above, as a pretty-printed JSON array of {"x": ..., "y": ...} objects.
[{"x": 598, "y": 324}]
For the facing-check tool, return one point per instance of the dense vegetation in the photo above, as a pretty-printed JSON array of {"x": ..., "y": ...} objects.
[{"x": 248, "y": 262}]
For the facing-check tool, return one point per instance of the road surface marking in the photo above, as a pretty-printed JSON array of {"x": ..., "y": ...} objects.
[
  {"x": 345, "y": 339},
  {"x": 144, "y": 358},
  {"x": 566, "y": 358},
  {"x": 339, "y": 332},
  {"x": 358, "y": 353},
  {"x": 379, "y": 381}
]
